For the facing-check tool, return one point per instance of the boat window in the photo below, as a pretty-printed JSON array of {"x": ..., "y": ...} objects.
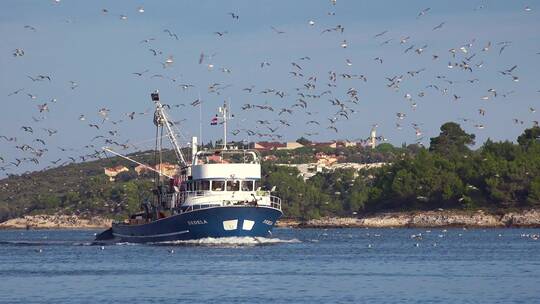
[
  {"x": 247, "y": 185},
  {"x": 227, "y": 157},
  {"x": 233, "y": 185},
  {"x": 190, "y": 186},
  {"x": 218, "y": 185},
  {"x": 205, "y": 185},
  {"x": 257, "y": 184}
]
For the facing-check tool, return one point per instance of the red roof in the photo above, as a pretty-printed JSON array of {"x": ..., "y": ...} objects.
[{"x": 266, "y": 145}]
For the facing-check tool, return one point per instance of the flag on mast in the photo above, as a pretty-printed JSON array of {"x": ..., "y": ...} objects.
[{"x": 214, "y": 121}]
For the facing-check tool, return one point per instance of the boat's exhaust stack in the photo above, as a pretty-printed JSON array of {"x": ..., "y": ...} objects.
[{"x": 193, "y": 147}]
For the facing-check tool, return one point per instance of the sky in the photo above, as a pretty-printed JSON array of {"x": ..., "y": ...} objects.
[{"x": 90, "y": 52}]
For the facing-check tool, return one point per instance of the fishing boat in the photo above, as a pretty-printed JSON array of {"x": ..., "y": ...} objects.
[{"x": 217, "y": 194}]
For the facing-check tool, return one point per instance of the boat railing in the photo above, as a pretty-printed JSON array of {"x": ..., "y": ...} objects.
[
  {"x": 175, "y": 200},
  {"x": 196, "y": 193}
]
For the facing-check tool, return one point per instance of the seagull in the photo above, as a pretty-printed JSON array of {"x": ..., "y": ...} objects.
[
  {"x": 421, "y": 49},
  {"x": 409, "y": 48},
  {"x": 27, "y": 129},
  {"x": 18, "y": 52},
  {"x": 168, "y": 62},
  {"x": 380, "y": 34},
  {"x": 439, "y": 26},
  {"x": 404, "y": 40},
  {"x": 503, "y": 47},
  {"x": 43, "y": 107},
  {"x": 147, "y": 40},
  {"x": 16, "y": 92},
  {"x": 29, "y": 27},
  {"x": 155, "y": 52},
  {"x": 171, "y": 34},
  {"x": 234, "y": 16},
  {"x": 74, "y": 84},
  {"x": 423, "y": 12},
  {"x": 220, "y": 34},
  {"x": 277, "y": 31},
  {"x": 141, "y": 73}
]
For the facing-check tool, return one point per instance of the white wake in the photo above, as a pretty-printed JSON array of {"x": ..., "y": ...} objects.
[{"x": 231, "y": 241}]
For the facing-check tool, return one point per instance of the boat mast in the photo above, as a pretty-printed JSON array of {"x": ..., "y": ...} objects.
[{"x": 160, "y": 118}]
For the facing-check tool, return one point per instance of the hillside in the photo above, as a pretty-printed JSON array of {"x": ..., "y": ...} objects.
[{"x": 448, "y": 175}]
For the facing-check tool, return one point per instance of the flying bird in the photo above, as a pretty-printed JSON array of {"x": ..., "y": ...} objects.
[
  {"x": 277, "y": 31},
  {"x": 439, "y": 26}
]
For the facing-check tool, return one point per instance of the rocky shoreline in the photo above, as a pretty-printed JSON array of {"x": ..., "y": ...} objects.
[
  {"x": 425, "y": 219},
  {"x": 417, "y": 219},
  {"x": 44, "y": 221}
]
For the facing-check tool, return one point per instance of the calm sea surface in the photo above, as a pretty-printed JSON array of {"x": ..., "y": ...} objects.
[{"x": 295, "y": 266}]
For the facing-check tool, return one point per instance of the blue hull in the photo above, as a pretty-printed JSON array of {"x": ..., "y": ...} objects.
[{"x": 229, "y": 221}]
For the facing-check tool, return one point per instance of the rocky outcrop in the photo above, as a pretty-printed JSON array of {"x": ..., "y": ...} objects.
[
  {"x": 45, "y": 221},
  {"x": 445, "y": 218},
  {"x": 527, "y": 218}
]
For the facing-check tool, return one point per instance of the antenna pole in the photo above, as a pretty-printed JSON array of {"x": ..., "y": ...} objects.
[
  {"x": 200, "y": 118},
  {"x": 225, "y": 125}
]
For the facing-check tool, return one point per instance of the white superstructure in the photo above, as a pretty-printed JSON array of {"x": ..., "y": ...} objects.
[{"x": 223, "y": 178}]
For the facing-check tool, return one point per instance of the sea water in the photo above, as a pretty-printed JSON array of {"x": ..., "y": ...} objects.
[{"x": 292, "y": 266}]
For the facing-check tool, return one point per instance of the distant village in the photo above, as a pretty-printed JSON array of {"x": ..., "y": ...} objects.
[{"x": 322, "y": 161}]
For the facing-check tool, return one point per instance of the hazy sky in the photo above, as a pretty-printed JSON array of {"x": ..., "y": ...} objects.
[{"x": 75, "y": 41}]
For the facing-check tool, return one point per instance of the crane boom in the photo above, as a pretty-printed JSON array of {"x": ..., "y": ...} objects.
[{"x": 161, "y": 119}]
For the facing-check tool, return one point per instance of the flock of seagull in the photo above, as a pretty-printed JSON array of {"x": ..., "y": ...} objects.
[{"x": 335, "y": 94}]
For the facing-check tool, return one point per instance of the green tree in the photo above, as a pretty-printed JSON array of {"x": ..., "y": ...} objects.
[
  {"x": 529, "y": 136},
  {"x": 452, "y": 139},
  {"x": 303, "y": 141}
]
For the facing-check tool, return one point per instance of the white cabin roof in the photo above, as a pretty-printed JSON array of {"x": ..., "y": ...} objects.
[{"x": 226, "y": 164}]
